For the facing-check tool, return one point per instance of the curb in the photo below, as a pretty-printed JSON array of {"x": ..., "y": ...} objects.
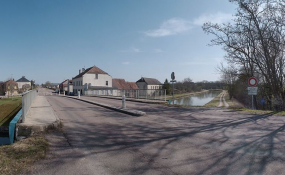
[
  {"x": 126, "y": 111},
  {"x": 29, "y": 129}
]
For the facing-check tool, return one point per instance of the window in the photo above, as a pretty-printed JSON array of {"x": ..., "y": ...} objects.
[
  {"x": 106, "y": 83},
  {"x": 96, "y": 76}
]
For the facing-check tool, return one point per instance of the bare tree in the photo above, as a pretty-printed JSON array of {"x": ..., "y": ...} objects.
[{"x": 254, "y": 42}]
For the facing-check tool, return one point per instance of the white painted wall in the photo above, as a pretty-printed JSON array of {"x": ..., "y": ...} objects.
[
  {"x": 70, "y": 88},
  {"x": 154, "y": 86},
  {"x": 20, "y": 84},
  {"x": 90, "y": 80}
]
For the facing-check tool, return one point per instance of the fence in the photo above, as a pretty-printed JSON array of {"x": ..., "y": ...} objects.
[
  {"x": 27, "y": 100},
  {"x": 149, "y": 94}
]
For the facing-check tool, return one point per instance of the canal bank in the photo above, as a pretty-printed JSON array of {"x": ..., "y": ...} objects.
[{"x": 196, "y": 99}]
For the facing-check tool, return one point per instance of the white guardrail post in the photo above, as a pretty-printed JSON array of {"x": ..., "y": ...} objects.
[{"x": 124, "y": 102}]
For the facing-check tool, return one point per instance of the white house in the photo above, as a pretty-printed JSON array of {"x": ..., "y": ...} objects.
[
  {"x": 24, "y": 82},
  {"x": 149, "y": 83},
  {"x": 91, "y": 78}
]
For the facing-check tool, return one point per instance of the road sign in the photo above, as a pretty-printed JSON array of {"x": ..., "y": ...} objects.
[
  {"x": 252, "y": 90},
  {"x": 252, "y": 81},
  {"x": 172, "y": 76}
]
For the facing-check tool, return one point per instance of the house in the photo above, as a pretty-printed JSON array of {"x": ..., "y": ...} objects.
[
  {"x": 121, "y": 84},
  {"x": 69, "y": 86},
  {"x": 24, "y": 84},
  {"x": 91, "y": 78},
  {"x": 9, "y": 88},
  {"x": 121, "y": 87},
  {"x": 66, "y": 86},
  {"x": 149, "y": 83}
]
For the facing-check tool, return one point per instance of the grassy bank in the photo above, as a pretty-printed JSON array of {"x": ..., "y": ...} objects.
[
  {"x": 21, "y": 155},
  {"x": 8, "y": 108},
  {"x": 259, "y": 112}
]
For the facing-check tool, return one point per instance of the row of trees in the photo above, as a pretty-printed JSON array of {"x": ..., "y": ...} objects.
[
  {"x": 254, "y": 42},
  {"x": 187, "y": 86}
]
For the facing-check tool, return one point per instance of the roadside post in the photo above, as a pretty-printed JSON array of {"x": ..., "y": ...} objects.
[
  {"x": 78, "y": 92},
  {"x": 123, "y": 101},
  {"x": 252, "y": 89},
  {"x": 172, "y": 81},
  {"x": 63, "y": 93}
]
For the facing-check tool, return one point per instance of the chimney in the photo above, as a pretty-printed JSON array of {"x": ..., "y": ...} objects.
[
  {"x": 23, "y": 76},
  {"x": 79, "y": 71},
  {"x": 83, "y": 69}
]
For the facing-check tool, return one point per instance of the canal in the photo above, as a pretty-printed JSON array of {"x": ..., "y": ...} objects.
[{"x": 198, "y": 99}]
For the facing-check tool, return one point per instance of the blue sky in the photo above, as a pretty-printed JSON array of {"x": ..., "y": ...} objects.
[{"x": 51, "y": 40}]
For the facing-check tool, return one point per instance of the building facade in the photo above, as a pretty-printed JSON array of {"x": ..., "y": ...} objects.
[
  {"x": 24, "y": 84},
  {"x": 91, "y": 78},
  {"x": 149, "y": 83},
  {"x": 9, "y": 88}
]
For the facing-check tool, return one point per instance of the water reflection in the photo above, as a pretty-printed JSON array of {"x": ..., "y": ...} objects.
[{"x": 197, "y": 100}]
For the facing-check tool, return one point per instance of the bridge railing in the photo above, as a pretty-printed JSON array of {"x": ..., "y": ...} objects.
[{"x": 27, "y": 100}]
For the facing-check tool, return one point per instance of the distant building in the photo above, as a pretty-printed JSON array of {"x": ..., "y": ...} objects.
[
  {"x": 69, "y": 86},
  {"x": 54, "y": 85},
  {"x": 91, "y": 78},
  {"x": 24, "y": 83},
  {"x": 66, "y": 86},
  {"x": 149, "y": 83},
  {"x": 9, "y": 88},
  {"x": 63, "y": 86},
  {"x": 123, "y": 85}
]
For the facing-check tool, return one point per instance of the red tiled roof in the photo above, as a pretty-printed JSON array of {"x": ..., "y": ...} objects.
[
  {"x": 122, "y": 84},
  {"x": 133, "y": 85},
  {"x": 94, "y": 70}
]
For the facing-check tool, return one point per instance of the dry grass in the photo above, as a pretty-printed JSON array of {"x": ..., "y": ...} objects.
[
  {"x": 22, "y": 154},
  {"x": 8, "y": 107},
  {"x": 259, "y": 112}
]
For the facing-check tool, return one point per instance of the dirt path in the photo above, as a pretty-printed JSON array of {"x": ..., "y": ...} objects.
[{"x": 223, "y": 102}]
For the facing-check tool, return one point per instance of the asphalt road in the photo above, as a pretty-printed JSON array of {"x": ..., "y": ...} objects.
[{"x": 168, "y": 140}]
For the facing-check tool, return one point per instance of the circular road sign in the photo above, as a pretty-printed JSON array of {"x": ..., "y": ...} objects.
[{"x": 252, "y": 81}]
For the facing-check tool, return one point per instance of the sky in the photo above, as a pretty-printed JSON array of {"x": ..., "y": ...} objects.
[{"x": 51, "y": 40}]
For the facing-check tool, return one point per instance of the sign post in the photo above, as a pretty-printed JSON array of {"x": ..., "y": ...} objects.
[
  {"x": 173, "y": 80},
  {"x": 252, "y": 90}
]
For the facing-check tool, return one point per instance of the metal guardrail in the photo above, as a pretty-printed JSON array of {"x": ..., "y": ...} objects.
[
  {"x": 27, "y": 100},
  {"x": 149, "y": 94}
]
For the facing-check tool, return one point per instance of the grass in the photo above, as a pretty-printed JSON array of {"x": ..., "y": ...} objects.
[
  {"x": 8, "y": 108},
  {"x": 22, "y": 154},
  {"x": 259, "y": 112}
]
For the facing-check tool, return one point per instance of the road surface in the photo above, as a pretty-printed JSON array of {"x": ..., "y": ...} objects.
[{"x": 168, "y": 140}]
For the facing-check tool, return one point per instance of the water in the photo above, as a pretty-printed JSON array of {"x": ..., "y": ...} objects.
[{"x": 197, "y": 100}]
